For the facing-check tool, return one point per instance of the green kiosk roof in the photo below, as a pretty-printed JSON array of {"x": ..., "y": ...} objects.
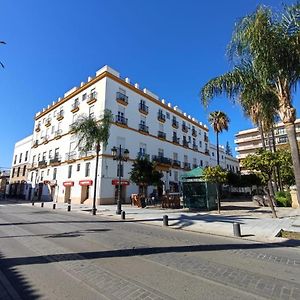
[{"x": 195, "y": 173}]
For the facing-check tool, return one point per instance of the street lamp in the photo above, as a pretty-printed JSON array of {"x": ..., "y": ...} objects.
[{"x": 118, "y": 156}]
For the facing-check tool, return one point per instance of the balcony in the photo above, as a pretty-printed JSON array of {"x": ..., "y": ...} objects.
[
  {"x": 144, "y": 109},
  {"x": 75, "y": 107},
  {"x": 184, "y": 128},
  {"x": 45, "y": 139},
  {"x": 185, "y": 143},
  {"x": 60, "y": 115},
  {"x": 38, "y": 128},
  {"x": 120, "y": 120},
  {"x": 206, "y": 151},
  {"x": 57, "y": 134},
  {"x": 205, "y": 138},
  {"x": 48, "y": 122},
  {"x": 33, "y": 166},
  {"x": 71, "y": 127},
  {"x": 55, "y": 161},
  {"x": 161, "y": 160},
  {"x": 42, "y": 164},
  {"x": 161, "y": 117},
  {"x": 195, "y": 147},
  {"x": 92, "y": 98},
  {"x": 176, "y": 140},
  {"x": 194, "y": 132},
  {"x": 35, "y": 144},
  {"x": 176, "y": 163},
  {"x": 71, "y": 156},
  {"x": 87, "y": 155},
  {"x": 186, "y": 166},
  {"x": 143, "y": 155},
  {"x": 175, "y": 124},
  {"x": 143, "y": 128},
  {"x": 161, "y": 135},
  {"x": 122, "y": 99}
]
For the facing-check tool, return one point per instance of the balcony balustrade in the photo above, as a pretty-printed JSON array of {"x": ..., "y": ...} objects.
[
  {"x": 38, "y": 127},
  {"x": 143, "y": 128},
  {"x": 186, "y": 166},
  {"x": 60, "y": 115},
  {"x": 161, "y": 159},
  {"x": 56, "y": 160},
  {"x": 184, "y": 128},
  {"x": 185, "y": 143},
  {"x": 42, "y": 164},
  {"x": 175, "y": 124},
  {"x": 71, "y": 156},
  {"x": 144, "y": 109},
  {"x": 195, "y": 147},
  {"x": 176, "y": 163},
  {"x": 92, "y": 98},
  {"x": 161, "y": 117},
  {"x": 161, "y": 135},
  {"x": 194, "y": 132},
  {"x": 120, "y": 120},
  {"x": 122, "y": 99},
  {"x": 75, "y": 107},
  {"x": 175, "y": 139},
  {"x": 48, "y": 122}
]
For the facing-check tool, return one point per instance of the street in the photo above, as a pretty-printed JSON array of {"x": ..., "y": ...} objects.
[{"x": 46, "y": 254}]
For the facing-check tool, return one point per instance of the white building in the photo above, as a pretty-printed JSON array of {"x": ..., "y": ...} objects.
[
  {"x": 18, "y": 186},
  {"x": 142, "y": 123}
]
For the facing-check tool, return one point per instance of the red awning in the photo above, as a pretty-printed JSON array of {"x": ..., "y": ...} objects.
[
  {"x": 68, "y": 183},
  {"x": 122, "y": 182},
  {"x": 86, "y": 182}
]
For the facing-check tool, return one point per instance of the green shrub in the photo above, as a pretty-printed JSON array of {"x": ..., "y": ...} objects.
[{"x": 283, "y": 199}]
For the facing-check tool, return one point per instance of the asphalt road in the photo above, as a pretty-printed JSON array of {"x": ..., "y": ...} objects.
[{"x": 54, "y": 255}]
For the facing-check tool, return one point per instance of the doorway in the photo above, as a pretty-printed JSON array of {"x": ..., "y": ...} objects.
[
  {"x": 67, "y": 194},
  {"x": 123, "y": 193},
  {"x": 85, "y": 193}
]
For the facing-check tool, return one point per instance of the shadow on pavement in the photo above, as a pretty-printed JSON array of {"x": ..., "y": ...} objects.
[
  {"x": 43, "y": 259},
  {"x": 17, "y": 281}
]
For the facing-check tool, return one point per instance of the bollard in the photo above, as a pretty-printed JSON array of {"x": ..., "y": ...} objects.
[
  {"x": 123, "y": 215},
  {"x": 54, "y": 205},
  {"x": 165, "y": 220},
  {"x": 32, "y": 203},
  {"x": 237, "y": 229},
  {"x": 42, "y": 204},
  {"x": 69, "y": 205}
]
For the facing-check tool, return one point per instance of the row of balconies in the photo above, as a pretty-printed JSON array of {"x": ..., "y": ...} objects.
[
  {"x": 92, "y": 98},
  {"x": 143, "y": 108}
]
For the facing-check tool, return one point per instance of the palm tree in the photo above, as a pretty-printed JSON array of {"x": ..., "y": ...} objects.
[
  {"x": 92, "y": 133},
  {"x": 3, "y": 43},
  {"x": 271, "y": 45},
  {"x": 219, "y": 122}
]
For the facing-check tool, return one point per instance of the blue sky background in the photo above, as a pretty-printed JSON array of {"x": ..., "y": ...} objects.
[{"x": 171, "y": 47}]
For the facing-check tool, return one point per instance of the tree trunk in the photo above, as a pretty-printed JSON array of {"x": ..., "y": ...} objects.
[
  {"x": 218, "y": 157},
  {"x": 271, "y": 203},
  {"x": 291, "y": 133},
  {"x": 95, "y": 181},
  {"x": 218, "y": 198},
  {"x": 261, "y": 135},
  {"x": 279, "y": 183}
]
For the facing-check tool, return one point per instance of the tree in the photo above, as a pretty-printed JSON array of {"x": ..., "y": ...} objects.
[
  {"x": 228, "y": 149},
  {"x": 270, "y": 44},
  {"x": 284, "y": 162},
  {"x": 143, "y": 173},
  {"x": 3, "y": 43},
  {"x": 91, "y": 133},
  {"x": 262, "y": 164},
  {"x": 218, "y": 176},
  {"x": 219, "y": 122}
]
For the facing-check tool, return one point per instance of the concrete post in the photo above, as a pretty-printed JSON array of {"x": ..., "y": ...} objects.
[
  {"x": 42, "y": 204},
  {"x": 237, "y": 229},
  {"x": 69, "y": 205},
  {"x": 54, "y": 205},
  {"x": 123, "y": 215},
  {"x": 165, "y": 220}
]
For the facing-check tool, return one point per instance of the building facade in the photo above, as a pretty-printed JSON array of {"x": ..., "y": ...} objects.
[
  {"x": 18, "y": 186},
  {"x": 143, "y": 124},
  {"x": 250, "y": 140}
]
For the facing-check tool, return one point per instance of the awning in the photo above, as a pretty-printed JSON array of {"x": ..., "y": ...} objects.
[
  {"x": 68, "y": 183},
  {"x": 86, "y": 182},
  {"x": 122, "y": 182},
  {"x": 193, "y": 175}
]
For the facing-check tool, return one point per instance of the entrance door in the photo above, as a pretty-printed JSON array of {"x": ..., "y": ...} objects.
[
  {"x": 40, "y": 191},
  {"x": 85, "y": 193},
  {"x": 123, "y": 193},
  {"x": 52, "y": 187},
  {"x": 67, "y": 194}
]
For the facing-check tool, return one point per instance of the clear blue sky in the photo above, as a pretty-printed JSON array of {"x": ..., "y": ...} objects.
[{"x": 171, "y": 47}]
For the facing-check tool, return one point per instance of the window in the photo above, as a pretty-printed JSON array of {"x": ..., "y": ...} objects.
[
  {"x": 200, "y": 144},
  {"x": 213, "y": 153},
  {"x": 50, "y": 154},
  {"x": 44, "y": 156},
  {"x": 54, "y": 173},
  {"x": 15, "y": 160},
  {"x": 42, "y": 175},
  {"x": 175, "y": 156},
  {"x": 143, "y": 120},
  {"x": 185, "y": 158},
  {"x": 87, "y": 169},
  {"x": 78, "y": 167},
  {"x": 175, "y": 175},
  {"x": 74, "y": 118},
  {"x": 70, "y": 171},
  {"x": 33, "y": 158},
  {"x": 20, "y": 158},
  {"x": 120, "y": 169},
  {"x": 201, "y": 163},
  {"x": 52, "y": 129},
  {"x": 161, "y": 127},
  {"x": 13, "y": 172},
  {"x": 31, "y": 178},
  {"x": 84, "y": 97},
  {"x": 48, "y": 172},
  {"x": 56, "y": 152},
  {"x": 39, "y": 157},
  {"x": 26, "y": 155},
  {"x": 168, "y": 115},
  {"x": 92, "y": 111},
  {"x": 161, "y": 152},
  {"x": 54, "y": 113},
  {"x": 142, "y": 149}
]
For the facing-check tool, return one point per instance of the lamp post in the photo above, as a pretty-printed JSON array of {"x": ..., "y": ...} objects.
[{"x": 119, "y": 157}]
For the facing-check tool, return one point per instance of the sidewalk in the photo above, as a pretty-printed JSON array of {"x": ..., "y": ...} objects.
[{"x": 256, "y": 222}]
